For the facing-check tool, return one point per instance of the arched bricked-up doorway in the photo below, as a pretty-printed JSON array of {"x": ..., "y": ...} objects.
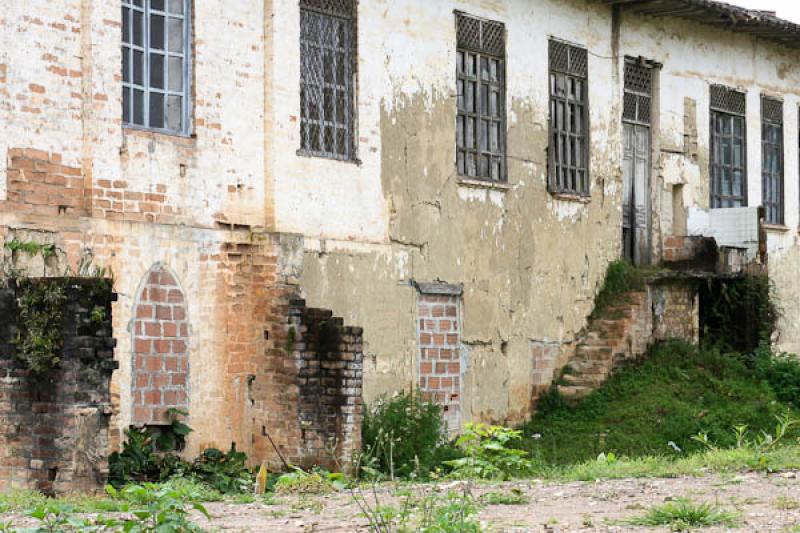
[{"x": 160, "y": 348}]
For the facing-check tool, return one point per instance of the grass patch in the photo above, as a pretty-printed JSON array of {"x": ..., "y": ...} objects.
[
  {"x": 514, "y": 497},
  {"x": 655, "y": 406},
  {"x": 683, "y": 515},
  {"x": 786, "y": 503}
]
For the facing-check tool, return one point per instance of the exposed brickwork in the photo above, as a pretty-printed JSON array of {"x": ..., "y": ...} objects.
[
  {"x": 691, "y": 253},
  {"x": 160, "y": 349},
  {"x": 54, "y": 427},
  {"x": 38, "y": 183},
  {"x": 676, "y": 311},
  {"x": 545, "y": 358},
  {"x": 330, "y": 360},
  {"x": 440, "y": 353}
]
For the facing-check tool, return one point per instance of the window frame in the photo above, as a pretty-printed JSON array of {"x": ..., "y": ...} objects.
[
  {"x": 731, "y": 104},
  {"x": 479, "y": 46},
  {"x": 767, "y": 123},
  {"x": 577, "y": 74},
  {"x": 350, "y": 89},
  {"x": 187, "y": 56}
]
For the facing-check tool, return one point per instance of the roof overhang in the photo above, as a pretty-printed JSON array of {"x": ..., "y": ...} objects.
[{"x": 757, "y": 23}]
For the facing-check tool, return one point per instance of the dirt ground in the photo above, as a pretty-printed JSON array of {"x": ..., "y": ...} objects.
[
  {"x": 761, "y": 500},
  {"x": 765, "y": 503}
]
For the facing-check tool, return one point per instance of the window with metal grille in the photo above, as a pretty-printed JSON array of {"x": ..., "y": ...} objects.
[
  {"x": 327, "y": 80},
  {"x": 638, "y": 93},
  {"x": 569, "y": 119},
  {"x": 155, "y": 64},
  {"x": 728, "y": 148},
  {"x": 481, "y": 113},
  {"x": 772, "y": 159}
]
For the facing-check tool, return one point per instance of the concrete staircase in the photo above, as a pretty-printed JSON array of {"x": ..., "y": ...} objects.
[{"x": 619, "y": 332}]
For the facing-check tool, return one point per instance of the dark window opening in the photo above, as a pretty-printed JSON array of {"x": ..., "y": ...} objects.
[
  {"x": 728, "y": 148},
  {"x": 327, "y": 78},
  {"x": 568, "y": 152},
  {"x": 481, "y": 116},
  {"x": 772, "y": 159}
]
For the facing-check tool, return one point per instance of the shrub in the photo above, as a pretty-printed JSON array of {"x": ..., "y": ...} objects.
[
  {"x": 621, "y": 277},
  {"x": 488, "y": 454},
  {"x": 683, "y": 515},
  {"x": 402, "y": 435},
  {"x": 782, "y": 372},
  {"x": 224, "y": 472}
]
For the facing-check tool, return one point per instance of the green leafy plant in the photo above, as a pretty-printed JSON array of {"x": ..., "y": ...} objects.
[
  {"x": 316, "y": 481},
  {"x": 173, "y": 437},
  {"x": 224, "y": 472},
  {"x": 683, "y": 515},
  {"x": 403, "y": 436},
  {"x": 489, "y": 455},
  {"x": 40, "y": 317},
  {"x": 157, "y": 508}
]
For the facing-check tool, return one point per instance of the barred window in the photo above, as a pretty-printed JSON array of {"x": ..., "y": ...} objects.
[
  {"x": 155, "y": 64},
  {"x": 569, "y": 119},
  {"x": 481, "y": 114},
  {"x": 772, "y": 159},
  {"x": 327, "y": 80},
  {"x": 728, "y": 148}
]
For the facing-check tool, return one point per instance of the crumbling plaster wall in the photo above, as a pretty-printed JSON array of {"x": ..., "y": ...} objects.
[
  {"x": 192, "y": 203},
  {"x": 530, "y": 263},
  {"x": 693, "y": 57}
]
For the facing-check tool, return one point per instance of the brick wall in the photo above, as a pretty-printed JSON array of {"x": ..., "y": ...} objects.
[
  {"x": 160, "y": 344},
  {"x": 440, "y": 368},
  {"x": 54, "y": 426},
  {"x": 38, "y": 183},
  {"x": 676, "y": 310}
]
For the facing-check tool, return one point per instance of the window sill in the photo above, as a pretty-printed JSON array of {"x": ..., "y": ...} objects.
[
  {"x": 152, "y": 132},
  {"x": 484, "y": 184},
  {"x": 317, "y": 155},
  {"x": 571, "y": 197},
  {"x": 775, "y": 227}
]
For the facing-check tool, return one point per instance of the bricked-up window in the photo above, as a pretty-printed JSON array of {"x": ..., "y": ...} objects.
[
  {"x": 481, "y": 120},
  {"x": 155, "y": 64},
  {"x": 569, "y": 119},
  {"x": 772, "y": 159},
  {"x": 728, "y": 148},
  {"x": 327, "y": 79}
]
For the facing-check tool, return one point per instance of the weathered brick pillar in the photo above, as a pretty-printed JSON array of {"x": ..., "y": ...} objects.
[{"x": 54, "y": 425}]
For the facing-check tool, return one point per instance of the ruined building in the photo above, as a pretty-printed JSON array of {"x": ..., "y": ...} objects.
[{"x": 451, "y": 178}]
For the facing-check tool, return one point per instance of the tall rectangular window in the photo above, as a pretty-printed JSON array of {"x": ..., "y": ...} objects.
[
  {"x": 155, "y": 64},
  {"x": 481, "y": 113},
  {"x": 728, "y": 148},
  {"x": 568, "y": 153},
  {"x": 772, "y": 159},
  {"x": 327, "y": 79}
]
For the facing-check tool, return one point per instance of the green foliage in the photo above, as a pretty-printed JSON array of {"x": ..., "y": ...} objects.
[
  {"x": 685, "y": 515},
  {"x": 317, "y": 481},
  {"x": 40, "y": 317},
  {"x": 739, "y": 314},
  {"x": 621, "y": 277},
  {"x": 403, "y": 436},
  {"x": 226, "y": 473},
  {"x": 514, "y": 497},
  {"x": 157, "y": 508},
  {"x": 430, "y": 512},
  {"x": 781, "y": 371},
  {"x": 488, "y": 454},
  {"x": 655, "y": 406},
  {"x": 173, "y": 437}
]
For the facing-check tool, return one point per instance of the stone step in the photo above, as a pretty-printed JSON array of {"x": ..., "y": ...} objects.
[
  {"x": 579, "y": 366},
  {"x": 584, "y": 379},
  {"x": 573, "y": 393},
  {"x": 594, "y": 353}
]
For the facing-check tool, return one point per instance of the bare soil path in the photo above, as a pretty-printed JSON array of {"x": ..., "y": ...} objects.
[{"x": 766, "y": 503}]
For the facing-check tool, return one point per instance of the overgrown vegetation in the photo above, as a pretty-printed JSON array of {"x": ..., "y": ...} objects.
[
  {"x": 404, "y": 436},
  {"x": 739, "y": 314},
  {"x": 685, "y": 515},
  {"x": 656, "y": 406},
  {"x": 621, "y": 277},
  {"x": 489, "y": 454},
  {"x": 41, "y": 301}
]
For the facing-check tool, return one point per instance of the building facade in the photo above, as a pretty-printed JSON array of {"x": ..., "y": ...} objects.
[{"x": 454, "y": 177}]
